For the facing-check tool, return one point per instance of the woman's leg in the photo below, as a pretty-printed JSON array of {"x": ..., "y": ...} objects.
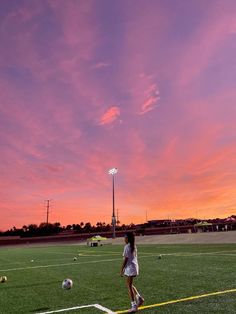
[
  {"x": 130, "y": 288},
  {"x": 139, "y": 298},
  {"x": 135, "y": 291}
]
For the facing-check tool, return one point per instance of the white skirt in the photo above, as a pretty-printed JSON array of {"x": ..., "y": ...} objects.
[{"x": 131, "y": 270}]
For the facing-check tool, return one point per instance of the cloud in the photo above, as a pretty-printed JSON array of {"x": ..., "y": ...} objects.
[
  {"x": 53, "y": 168},
  {"x": 77, "y": 23},
  {"x": 110, "y": 115},
  {"x": 232, "y": 29},
  {"x": 152, "y": 98},
  {"x": 101, "y": 65},
  {"x": 200, "y": 52}
]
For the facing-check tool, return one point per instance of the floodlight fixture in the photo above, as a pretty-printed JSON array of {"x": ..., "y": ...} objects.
[{"x": 113, "y": 171}]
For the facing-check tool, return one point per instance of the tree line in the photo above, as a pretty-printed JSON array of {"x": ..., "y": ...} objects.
[{"x": 44, "y": 229}]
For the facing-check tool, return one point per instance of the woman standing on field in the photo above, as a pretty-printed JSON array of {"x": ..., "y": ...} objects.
[{"x": 130, "y": 269}]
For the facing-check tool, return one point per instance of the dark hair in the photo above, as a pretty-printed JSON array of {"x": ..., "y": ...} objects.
[{"x": 131, "y": 239}]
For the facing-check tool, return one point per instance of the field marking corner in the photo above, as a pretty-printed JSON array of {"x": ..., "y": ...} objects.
[{"x": 98, "y": 306}]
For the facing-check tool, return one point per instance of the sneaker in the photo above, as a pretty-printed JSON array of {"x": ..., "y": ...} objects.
[
  {"x": 133, "y": 309},
  {"x": 140, "y": 301}
]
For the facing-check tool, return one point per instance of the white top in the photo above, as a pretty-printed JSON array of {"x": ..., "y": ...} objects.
[{"x": 131, "y": 268}]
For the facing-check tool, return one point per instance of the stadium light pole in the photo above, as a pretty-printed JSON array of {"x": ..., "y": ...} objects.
[{"x": 113, "y": 171}]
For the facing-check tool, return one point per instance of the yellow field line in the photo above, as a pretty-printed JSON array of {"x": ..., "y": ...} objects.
[{"x": 180, "y": 300}]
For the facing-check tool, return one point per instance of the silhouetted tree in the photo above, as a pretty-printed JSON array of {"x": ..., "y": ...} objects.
[
  {"x": 68, "y": 227},
  {"x": 87, "y": 227}
]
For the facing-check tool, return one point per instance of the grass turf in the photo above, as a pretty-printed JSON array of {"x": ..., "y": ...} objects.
[{"x": 184, "y": 271}]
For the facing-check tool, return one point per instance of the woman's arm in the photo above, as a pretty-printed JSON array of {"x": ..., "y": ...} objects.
[{"x": 123, "y": 266}]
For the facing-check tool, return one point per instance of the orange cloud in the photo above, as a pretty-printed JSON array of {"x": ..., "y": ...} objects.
[{"x": 110, "y": 115}]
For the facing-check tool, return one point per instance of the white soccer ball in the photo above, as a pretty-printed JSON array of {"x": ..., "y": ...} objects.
[
  {"x": 67, "y": 284},
  {"x": 3, "y": 279},
  {"x": 75, "y": 258}
]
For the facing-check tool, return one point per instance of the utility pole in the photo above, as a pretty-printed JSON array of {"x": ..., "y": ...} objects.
[
  {"x": 146, "y": 217},
  {"x": 117, "y": 216},
  {"x": 48, "y": 207},
  {"x": 113, "y": 171}
]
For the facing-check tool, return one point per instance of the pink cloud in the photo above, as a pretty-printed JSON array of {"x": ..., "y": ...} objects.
[
  {"x": 101, "y": 65},
  {"x": 76, "y": 19},
  {"x": 152, "y": 98},
  {"x": 110, "y": 115},
  {"x": 138, "y": 67},
  {"x": 149, "y": 104},
  {"x": 199, "y": 52}
]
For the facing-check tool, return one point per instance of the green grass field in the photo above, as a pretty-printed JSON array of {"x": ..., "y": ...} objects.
[{"x": 184, "y": 271}]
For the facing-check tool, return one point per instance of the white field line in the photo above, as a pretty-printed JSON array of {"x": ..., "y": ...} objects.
[
  {"x": 87, "y": 253},
  {"x": 51, "y": 260},
  {"x": 84, "y": 254},
  {"x": 98, "y": 306},
  {"x": 201, "y": 254},
  {"x": 226, "y": 254},
  {"x": 68, "y": 309},
  {"x": 102, "y": 308},
  {"x": 196, "y": 253},
  {"x": 212, "y": 255},
  {"x": 60, "y": 265},
  {"x": 63, "y": 253},
  {"x": 69, "y": 264},
  {"x": 183, "y": 254}
]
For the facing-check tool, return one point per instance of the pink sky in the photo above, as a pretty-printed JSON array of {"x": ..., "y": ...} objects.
[{"x": 147, "y": 86}]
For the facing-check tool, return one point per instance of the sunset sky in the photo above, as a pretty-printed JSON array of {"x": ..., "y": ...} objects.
[{"x": 147, "y": 86}]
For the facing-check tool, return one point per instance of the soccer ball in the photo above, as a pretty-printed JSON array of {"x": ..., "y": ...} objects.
[
  {"x": 3, "y": 279},
  {"x": 67, "y": 284},
  {"x": 75, "y": 258},
  {"x": 160, "y": 256}
]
